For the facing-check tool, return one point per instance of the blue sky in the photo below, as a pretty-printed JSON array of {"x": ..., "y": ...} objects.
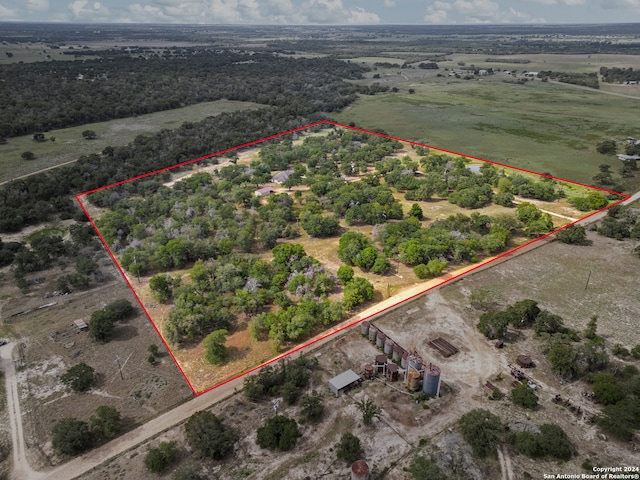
[{"x": 323, "y": 11}]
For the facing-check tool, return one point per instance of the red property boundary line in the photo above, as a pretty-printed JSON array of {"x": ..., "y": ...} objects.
[{"x": 358, "y": 320}]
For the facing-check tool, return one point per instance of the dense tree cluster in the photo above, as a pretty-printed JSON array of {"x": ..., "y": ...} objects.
[
  {"x": 482, "y": 430},
  {"x": 102, "y": 322},
  {"x": 79, "y": 378},
  {"x": 44, "y": 96},
  {"x": 551, "y": 442},
  {"x": 71, "y": 436},
  {"x": 576, "y": 78},
  {"x": 271, "y": 380},
  {"x": 619, "y": 75},
  {"x": 621, "y": 222},
  {"x": 278, "y": 433},
  {"x": 208, "y": 436}
]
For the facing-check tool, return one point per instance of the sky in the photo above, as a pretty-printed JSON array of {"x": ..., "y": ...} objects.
[{"x": 322, "y": 12}]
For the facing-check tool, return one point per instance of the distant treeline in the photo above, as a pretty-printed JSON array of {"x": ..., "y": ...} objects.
[
  {"x": 584, "y": 79},
  {"x": 619, "y": 75},
  {"x": 43, "y": 96}
]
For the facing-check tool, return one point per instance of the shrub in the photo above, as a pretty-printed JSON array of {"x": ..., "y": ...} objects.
[
  {"x": 71, "y": 436},
  {"x": 278, "y": 433},
  {"x": 349, "y": 448},
  {"x": 158, "y": 459},
  {"x": 80, "y": 377}
]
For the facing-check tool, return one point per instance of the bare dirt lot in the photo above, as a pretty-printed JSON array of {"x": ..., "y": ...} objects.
[
  {"x": 49, "y": 344},
  {"x": 445, "y": 312}
]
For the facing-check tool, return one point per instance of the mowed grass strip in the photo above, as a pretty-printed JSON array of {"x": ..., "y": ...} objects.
[{"x": 69, "y": 143}]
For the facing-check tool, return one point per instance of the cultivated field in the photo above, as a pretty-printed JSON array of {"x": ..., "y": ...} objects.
[{"x": 69, "y": 143}]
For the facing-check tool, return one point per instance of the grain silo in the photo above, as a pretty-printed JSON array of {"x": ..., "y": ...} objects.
[
  {"x": 373, "y": 332},
  {"x": 392, "y": 372},
  {"x": 360, "y": 470},
  {"x": 380, "y": 364},
  {"x": 388, "y": 346},
  {"x": 431, "y": 380},
  {"x": 413, "y": 380},
  {"x": 364, "y": 328},
  {"x": 380, "y": 339},
  {"x": 396, "y": 355},
  {"x": 403, "y": 360},
  {"x": 368, "y": 371}
]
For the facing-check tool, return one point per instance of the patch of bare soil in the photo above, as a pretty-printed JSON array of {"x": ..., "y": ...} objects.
[{"x": 49, "y": 344}]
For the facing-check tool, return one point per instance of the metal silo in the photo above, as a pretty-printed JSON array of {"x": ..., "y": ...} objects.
[
  {"x": 364, "y": 328},
  {"x": 431, "y": 380},
  {"x": 373, "y": 332},
  {"x": 396, "y": 355},
  {"x": 388, "y": 346},
  {"x": 413, "y": 380},
  {"x": 380, "y": 338},
  {"x": 403, "y": 360}
]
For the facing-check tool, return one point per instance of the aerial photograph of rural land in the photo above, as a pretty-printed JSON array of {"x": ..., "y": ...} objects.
[{"x": 319, "y": 239}]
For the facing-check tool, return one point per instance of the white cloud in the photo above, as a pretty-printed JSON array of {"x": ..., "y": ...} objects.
[
  {"x": 8, "y": 13},
  {"x": 37, "y": 5},
  {"x": 620, "y": 4},
  {"x": 437, "y": 13},
  {"x": 334, "y": 11},
  {"x": 90, "y": 12},
  {"x": 389, "y": 3}
]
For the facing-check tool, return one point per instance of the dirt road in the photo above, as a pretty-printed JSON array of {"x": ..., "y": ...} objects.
[{"x": 21, "y": 469}]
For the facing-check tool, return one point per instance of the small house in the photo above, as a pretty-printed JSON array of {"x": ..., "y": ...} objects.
[
  {"x": 281, "y": 177},
  {"x": 263, "y": 192}
]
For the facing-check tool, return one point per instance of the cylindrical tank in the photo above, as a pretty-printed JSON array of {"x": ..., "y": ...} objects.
[
  {"x": 396, "y": 354},
  {"x": 380, "y": 338},
  {"x": 373, "y": 332},
  {"x": 364, "y": 328},
  {"x": 403, "y": 360},
  {"x": 381, "y": 363},
  {"x": 415, "y": 362},
  {"x": 388, "y": 346},
  {"x": 431, "y": 381},
  {"x": 413, "y": 379},
  {"x": 392, "y": 372},
  {"x": 359, "y": 470},
  {"x": 368, "y": 372}
]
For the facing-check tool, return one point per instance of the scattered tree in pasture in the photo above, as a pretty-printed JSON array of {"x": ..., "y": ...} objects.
[
  {"x": 206, "y": 434},
  {"x": 79, "y": 378}
]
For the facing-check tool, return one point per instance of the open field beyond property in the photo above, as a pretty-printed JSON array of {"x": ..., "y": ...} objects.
[{"x": 69, "y": 143}]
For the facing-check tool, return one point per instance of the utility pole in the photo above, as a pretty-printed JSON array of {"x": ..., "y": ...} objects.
[{"x": 588, "y": 278}]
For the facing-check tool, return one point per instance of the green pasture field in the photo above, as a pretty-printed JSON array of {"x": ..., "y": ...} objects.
[
  {"x": 36, "y": 52},
  {"x": 544, "y": 127},
  {"x": 560, "y": 63},
  {"x": 69, "y": 143}
]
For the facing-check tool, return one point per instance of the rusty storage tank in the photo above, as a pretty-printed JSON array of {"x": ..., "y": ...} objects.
[
  {"x": 373, "y": 332},
  {"x": 392, "y": 372},
  {"x": 381, "y": 363},
  {"x": 364, "y": 328},
  {"x": 359, "y": 470},
  {"x": 380, "y": 338},
  {"x": 388, "y": 346},
  {"x": 396, "y": 355},
  {"x": 413, "y": 380},
  {"x": 414, "y": 362},
  {"x": 403, "y": 360},
  {"x": 368, "y": 371},
  {"x": 431, "y": 380},
  {"x": 524, "y": 361}
]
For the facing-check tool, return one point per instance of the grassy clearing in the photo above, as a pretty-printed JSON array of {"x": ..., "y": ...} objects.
[
  {"x": 377, "y": 60},
  {"x": 69, "y": 143},
  {"x": 539, "y": 126}
]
